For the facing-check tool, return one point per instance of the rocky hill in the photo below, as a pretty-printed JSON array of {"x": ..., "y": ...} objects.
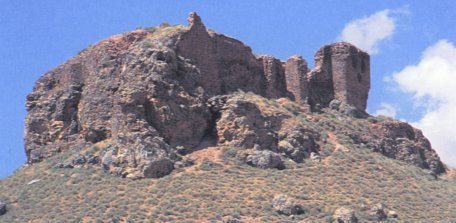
[{"x": 183, "y": 124}]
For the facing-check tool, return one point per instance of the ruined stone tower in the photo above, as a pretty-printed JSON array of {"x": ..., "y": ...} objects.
[
  {"x": 296, "y": 79},
  {"x": 341, "y": 72}
]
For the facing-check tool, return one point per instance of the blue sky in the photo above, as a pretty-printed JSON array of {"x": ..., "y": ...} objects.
[{"x": 413, "y": 58}]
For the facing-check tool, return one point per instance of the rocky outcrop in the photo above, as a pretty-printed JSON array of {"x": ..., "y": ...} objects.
[
  {"x": 399, "y": 140},
  {"x": 152, "y": 96},
  {"x": 243, "y": 124},
  {"x": 298, "y": 143},
  {"x": 263, "y": 159}
]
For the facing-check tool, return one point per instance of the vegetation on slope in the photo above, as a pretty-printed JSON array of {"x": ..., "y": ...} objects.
[{"x": 219, "y": 185}]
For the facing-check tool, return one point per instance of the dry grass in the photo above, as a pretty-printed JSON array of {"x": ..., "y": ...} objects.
[{"x": 355, "y": 178}]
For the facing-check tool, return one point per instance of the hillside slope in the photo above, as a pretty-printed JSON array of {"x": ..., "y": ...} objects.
[{"x": 220, "y": 184}]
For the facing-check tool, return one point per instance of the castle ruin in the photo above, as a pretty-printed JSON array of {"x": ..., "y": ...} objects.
[{"x": 342, "y": 71}]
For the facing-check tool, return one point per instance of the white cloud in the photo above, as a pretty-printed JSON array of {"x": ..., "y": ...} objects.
[
  {"x": 433, "y": 83},
  {"x": 366, "y": 33},
  {"x": 386, "y": 109}
]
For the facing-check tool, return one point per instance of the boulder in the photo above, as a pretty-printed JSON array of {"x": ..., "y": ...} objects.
[
  {"x": 297, "y": 143},
  {"x": 286, "y": 205},
  {"x": 158, "y": 168},
  {"x": 107, "y": 159},
  {"x": 264, "y": 159},
  {"x": 243, "y": 124},
  {"x": 353, "y": 112},
  {"x": 345, "y": 215}
]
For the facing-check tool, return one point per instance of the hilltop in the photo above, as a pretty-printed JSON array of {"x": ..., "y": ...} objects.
[{"x": 183, "y": 124}]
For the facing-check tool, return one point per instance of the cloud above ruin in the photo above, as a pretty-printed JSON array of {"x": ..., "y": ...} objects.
[{"x": 368, "y": 32}]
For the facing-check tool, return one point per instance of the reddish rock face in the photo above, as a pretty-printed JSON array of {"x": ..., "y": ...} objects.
[{"x": 399, "y": 140}]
